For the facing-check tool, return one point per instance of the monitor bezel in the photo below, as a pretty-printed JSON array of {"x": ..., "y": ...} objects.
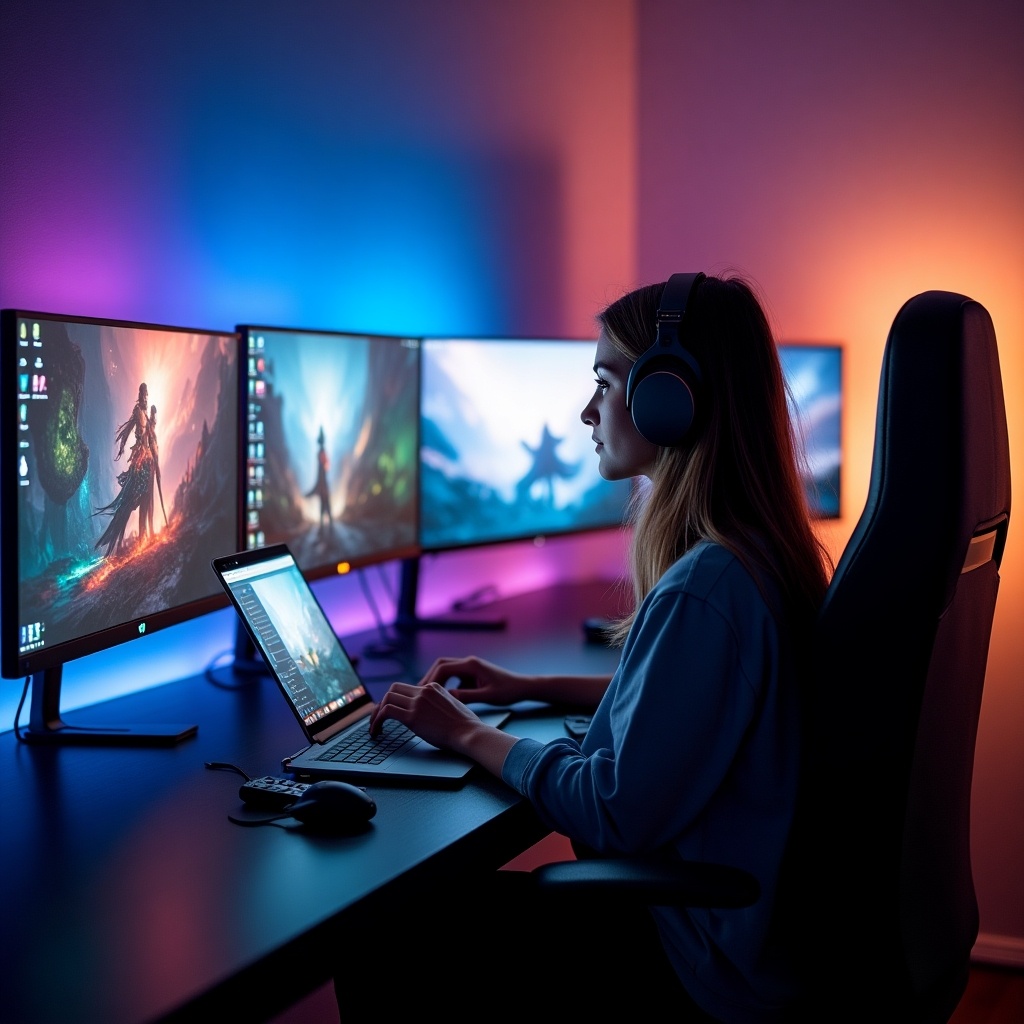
[{"x": 14, "y": 665}]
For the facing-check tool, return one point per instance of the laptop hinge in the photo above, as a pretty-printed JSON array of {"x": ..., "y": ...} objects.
[{"x": 333, "y": 730}]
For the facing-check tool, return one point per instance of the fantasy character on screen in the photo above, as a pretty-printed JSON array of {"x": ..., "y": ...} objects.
[
  {"x": 506, "y": 458},
  {"x": 331, "y": 431},
  {"x": 124, "y": 478}
]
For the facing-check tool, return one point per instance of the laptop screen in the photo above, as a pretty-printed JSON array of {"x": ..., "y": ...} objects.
[{"x": 294, "y": 635}]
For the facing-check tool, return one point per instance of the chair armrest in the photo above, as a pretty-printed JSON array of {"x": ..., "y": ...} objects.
[{"x": 654, "y": 883}]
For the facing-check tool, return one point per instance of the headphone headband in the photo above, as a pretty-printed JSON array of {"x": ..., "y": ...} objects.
[{"x": 676, "y": 295}]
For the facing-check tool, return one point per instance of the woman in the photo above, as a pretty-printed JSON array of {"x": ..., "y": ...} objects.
[{"x": 695, "y": 744}]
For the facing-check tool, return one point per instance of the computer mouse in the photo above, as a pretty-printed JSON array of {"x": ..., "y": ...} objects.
[{"x": 333, "y": 806}]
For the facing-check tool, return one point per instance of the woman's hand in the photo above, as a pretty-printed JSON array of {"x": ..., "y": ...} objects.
[
  {"x": 481, "y": 681},
  {"x": 428, "y": 709},
  {"x": 443, "y": 720}
]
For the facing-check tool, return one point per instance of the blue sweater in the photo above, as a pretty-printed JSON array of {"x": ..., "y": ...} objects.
[{"x": 696, "y": 746}]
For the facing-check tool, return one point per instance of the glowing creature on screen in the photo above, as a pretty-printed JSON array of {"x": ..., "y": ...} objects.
[
  {"x": 128, "y": 486},
  {"x": 504, "y": 453}
]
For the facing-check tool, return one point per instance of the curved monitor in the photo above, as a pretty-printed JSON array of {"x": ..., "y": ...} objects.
[
  {"x": 118, "y": 459},
  {"x": 813, "y": 372},
  {"x": 330, "y": 435},
  {"x": 504, "y": 455}
]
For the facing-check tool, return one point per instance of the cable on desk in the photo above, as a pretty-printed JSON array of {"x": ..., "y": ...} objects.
[
  {"x": 227, "y": 766},
  {"x": 215, "y": 662},
  {"x": 386, "y": 583},
  {"x": 387, "y": 643},
  {"x": 388, "y": 647},
  {"x": 479, "y": 598},
  {"x": 64, "y": 726},
  {"x": 17, "y": 713}
]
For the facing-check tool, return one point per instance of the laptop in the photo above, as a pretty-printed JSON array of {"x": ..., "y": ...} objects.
[{"x": 320, "y": 683}]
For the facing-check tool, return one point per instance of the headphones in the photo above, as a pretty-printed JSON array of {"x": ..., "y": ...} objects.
[{"x": 664, "y": 384}]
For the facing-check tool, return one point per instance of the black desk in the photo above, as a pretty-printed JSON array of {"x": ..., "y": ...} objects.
[{"x": 126, "y": 895}]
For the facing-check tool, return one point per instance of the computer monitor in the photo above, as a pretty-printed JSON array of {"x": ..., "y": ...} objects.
[
  {"x": 119, "y": 470},
  {"x": 330, "y": 435},
  {"x": 813, "y": 372},
  {"x": 504, "y": 455}
]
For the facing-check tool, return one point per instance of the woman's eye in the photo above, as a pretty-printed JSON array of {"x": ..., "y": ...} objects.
[{"x": 602, "y": 384}]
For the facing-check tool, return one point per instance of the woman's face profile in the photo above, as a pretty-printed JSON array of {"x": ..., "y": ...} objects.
[{"x": 622, "y": 450}]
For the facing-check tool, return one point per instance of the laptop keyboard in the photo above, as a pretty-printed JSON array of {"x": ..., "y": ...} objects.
[{"x": 361, "y": 748}]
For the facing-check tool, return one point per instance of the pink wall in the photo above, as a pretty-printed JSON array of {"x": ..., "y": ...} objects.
[{"x": 847, "y": 157}]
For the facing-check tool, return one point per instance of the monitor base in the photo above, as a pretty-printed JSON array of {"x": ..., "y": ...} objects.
[
  {"x": 47, "y": 727},
  {"x": 159, "y": 735},
  {"x": 415, "y": 624}
]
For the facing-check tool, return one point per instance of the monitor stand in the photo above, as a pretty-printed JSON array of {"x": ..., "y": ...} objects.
[
  {"x": 46, "y": 725},
  {"x": 406, "y": 619},
  {"x": 246, "y": 659}
]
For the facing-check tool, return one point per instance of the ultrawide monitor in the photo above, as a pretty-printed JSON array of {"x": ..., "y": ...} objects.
[
  {"x": 330, "y": 434},
  {"x": 118, "y": 458},
  {"x": 504, "y": 455}
]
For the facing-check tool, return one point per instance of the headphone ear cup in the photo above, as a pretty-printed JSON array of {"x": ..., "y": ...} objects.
[
  {"x": 664, "y": 402},
  {"x": 663, "y": 390}
]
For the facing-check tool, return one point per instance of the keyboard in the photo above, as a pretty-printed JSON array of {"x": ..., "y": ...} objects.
[{"x": 359, "y": 747}]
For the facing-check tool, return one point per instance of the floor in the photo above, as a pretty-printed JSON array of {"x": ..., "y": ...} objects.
[{"x": 994, "y": 995}]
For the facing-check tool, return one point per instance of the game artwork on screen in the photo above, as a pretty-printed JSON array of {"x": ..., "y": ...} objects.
[
  {"x": 129, "y": 485},
  {"x": 323, "y": 679},
  {"x": 508, "y": 458},
  {"x": 332, "y": 437},
  {"x": 814, "y": 380}
]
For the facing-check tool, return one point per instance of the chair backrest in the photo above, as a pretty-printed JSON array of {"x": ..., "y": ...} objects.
[{"x": 901, "y": 653}]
